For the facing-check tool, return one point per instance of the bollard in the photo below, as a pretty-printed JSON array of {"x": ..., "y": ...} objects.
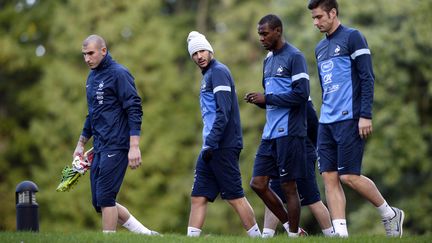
[{"x": 27, "y": 217}]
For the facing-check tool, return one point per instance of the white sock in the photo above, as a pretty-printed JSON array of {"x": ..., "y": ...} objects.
[
  {"x": 386, "y": 211},
  {"x": 108, "y": 231},
  {"x": 291, "y": 234},
  {"x": 133, "y": 225},
  {"x": 254, "y": 231},
  {"x": 268, "y": 233},
  {"x": 340, "y": 227},
  {"x": 328, "y": 232},
  {"x": 193, "y": 232},
  {"x": 286, "y": 226}
]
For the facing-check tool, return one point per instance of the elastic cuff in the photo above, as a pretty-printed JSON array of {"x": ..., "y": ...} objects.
[{"x": 134, "y": 132}]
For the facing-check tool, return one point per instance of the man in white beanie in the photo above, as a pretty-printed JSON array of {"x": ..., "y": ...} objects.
[{"x": 217, "y": 169}]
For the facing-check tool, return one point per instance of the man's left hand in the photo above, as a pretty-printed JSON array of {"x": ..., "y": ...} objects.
[
  {"x": 134, "y": 157},
  {"x": 365, "y": 127}
]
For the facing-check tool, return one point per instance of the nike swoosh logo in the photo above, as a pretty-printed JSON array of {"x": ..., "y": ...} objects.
[
  {"x": 341, "y": 168},
  {"x": 283, "y": 174},
  {"x": 111, "y": 155}
]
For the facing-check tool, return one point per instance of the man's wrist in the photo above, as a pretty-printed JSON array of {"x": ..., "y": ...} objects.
[
  {"x": 82, "y": 141},
  {"x": 134, "y": 141}
]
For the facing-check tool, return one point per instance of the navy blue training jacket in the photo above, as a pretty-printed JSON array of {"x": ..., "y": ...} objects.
[
  {"x": 114, "y": 107},
  {"x": 219, "y": 108},
  {"x": 286, "y": 85}
]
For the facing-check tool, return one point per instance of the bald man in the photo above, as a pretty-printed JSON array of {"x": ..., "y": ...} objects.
[{"x": 114, "y": 121}]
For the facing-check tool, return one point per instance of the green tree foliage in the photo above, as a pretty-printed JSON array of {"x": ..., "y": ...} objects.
[
  {"x": 22, "y": 32},
  {"x": 43, "y": 106}
]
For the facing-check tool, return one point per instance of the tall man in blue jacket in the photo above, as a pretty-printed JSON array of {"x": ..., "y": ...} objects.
[
  {"x": 347, "y": 82},
  {"x": 114, "y": 121},
  {"x": 282, "y": 152},
  {"x": 217, "y": 169}
]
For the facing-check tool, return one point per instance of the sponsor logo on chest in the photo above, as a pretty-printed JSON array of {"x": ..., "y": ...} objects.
[
  {"x": 337, "y": 50},
  {"x": 100, "y": 93}
]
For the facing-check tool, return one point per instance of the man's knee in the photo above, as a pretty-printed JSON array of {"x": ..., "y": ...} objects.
[
  {"x": 258, "y": 185},
  {"x": 198, "y": 201},
  {"x": 236, "y": 201},
  {"x": 330, "y": 178},
  {"x": 104, "y": 201},
  {"x": 350, "y": 180}
]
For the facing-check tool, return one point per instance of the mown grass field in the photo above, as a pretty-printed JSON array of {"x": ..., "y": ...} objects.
[{"x": 125, "y": 237}]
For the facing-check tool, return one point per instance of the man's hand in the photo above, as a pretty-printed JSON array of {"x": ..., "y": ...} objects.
[
  {"x": 255, "y": 98},
  {"x": 79, "y": 151},
  {"x": 207, "y": 154},
  {"x": 365, "y": 127},
  {"x": 134, "y": 155}
]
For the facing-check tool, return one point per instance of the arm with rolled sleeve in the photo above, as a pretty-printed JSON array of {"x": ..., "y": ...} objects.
[
  {"x": 83, "y": 139},
  {"x": 87, "y": 130},
  {"x": 299, "y": 93}
]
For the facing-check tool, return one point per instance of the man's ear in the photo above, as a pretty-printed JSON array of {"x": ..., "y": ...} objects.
[
  {"x": 279, "y": 30},
  {"x": 104, "y": 51},
  {"x": 333, "y": 13}
]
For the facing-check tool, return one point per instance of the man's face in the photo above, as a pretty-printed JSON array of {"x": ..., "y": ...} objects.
[
  {"x": 202, "y": 58},
  {"x": 323, "y": 20},
  {"x": 268, "y": 36},
  {"x": 93, "y": 54}
]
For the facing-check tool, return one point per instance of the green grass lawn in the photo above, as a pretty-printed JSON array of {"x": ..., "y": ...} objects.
[{"x": 125, "y": 237}]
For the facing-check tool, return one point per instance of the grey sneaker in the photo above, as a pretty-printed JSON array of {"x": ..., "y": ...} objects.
[{"x": 393, "y": 226}]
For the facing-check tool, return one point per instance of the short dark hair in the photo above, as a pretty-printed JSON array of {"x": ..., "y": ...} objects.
[
  {"x": 272, "y": 20},
  {"x": 326, "y": 5}
]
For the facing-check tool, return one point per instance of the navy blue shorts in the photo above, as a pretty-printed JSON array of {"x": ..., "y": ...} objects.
[
  {"x": 220, "y": 175},
  {"x": 106, "y": 176},
  {"x": 340, "y": 147},
  {"x": 283, "y": 157},
  {"x": 307, "y": 187}
]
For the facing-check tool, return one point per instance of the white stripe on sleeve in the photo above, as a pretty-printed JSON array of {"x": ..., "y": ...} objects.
[
  {"x": 221, "y": 88},
  {"x": 360, "y": 52},
  {"x": 299, "y": 76}
]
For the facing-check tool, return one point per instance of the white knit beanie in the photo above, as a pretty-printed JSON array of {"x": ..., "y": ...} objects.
[{"x": 197, "y": 42}]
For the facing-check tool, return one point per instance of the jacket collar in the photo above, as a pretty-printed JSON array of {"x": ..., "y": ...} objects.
[
  {"x": 339, "y": 29},
  {"x": 208, "y": 66},
  {"x": 106, "y": 61},
  {"x": 285, "y": 45}
]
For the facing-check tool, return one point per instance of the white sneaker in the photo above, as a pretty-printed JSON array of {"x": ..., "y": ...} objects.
[
  {"x": 393, "y": 226},
  {"x": 302, "y": 232},
  {"x": 155, "y": 233}
]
